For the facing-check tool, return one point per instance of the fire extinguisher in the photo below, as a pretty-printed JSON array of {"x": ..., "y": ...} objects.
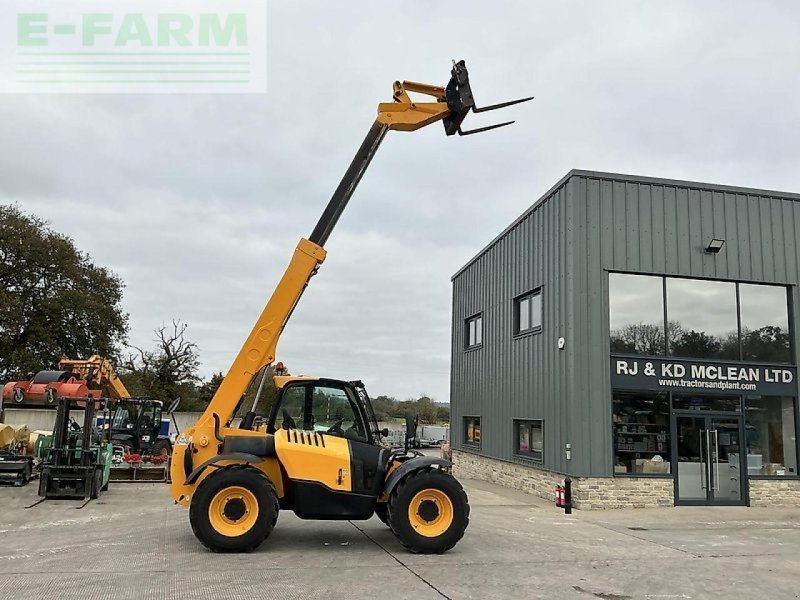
[{"x": 560, "y": 496}]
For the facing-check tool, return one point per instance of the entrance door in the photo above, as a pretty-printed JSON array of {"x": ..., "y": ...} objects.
[{"x": 708, "y": 457}]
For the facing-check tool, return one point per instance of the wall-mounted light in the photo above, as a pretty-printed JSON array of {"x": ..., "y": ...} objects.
[{"x": 714, "y": 246}]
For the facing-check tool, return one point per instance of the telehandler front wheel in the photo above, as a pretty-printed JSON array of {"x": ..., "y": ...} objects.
[
  {"x": 234, "y": 510},
  {"x": 429, "y": 511}
]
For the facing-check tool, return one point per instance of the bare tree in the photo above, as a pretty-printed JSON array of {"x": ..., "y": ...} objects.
[{"x": 168, "y": 370}]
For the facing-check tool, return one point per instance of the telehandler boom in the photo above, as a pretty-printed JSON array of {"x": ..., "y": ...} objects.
[{"x": 324, "y": 459}]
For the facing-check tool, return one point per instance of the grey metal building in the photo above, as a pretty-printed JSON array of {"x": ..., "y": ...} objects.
[{"x": 636, "y": 334}]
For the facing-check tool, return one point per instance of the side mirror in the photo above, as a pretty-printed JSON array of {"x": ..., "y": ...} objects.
[
  {"x": 411, "y": 429},
  {"x": 384, "y": 432}
]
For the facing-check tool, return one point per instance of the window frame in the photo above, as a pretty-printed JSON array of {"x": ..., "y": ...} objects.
[
  {"x": 670, "y": 433},
  {"x": 796, "y": 415},
  {"x": 531, "y": 455},
  {"x": 478, "y": 344},
  {"x": 464, "y": 439},
  {"x": 787, "y": 288},
  {"x": 517, "y": 302}
]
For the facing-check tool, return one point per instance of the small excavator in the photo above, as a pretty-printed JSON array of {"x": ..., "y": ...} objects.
[{"x": 320, "y": 452}]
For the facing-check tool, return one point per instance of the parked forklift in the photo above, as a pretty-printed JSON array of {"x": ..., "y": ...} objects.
[
  {"x": 78, "y": 462},
  {"x": 320, "y": 453}
]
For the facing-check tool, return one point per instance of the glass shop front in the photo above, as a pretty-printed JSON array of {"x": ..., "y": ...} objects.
[{"x": 704, "y": 384}]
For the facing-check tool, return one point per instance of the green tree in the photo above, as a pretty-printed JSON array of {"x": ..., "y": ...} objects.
[
  {"x": 207, "y": 389},
  {"x": 426, "y": 410},
  {"x": 54, "y": 300}
]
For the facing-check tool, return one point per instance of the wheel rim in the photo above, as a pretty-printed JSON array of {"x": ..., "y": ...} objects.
[
  {"x": 233, "y": 511},
  {"x": 164, "y": 451},
  {"x": 430, "y": 512}
]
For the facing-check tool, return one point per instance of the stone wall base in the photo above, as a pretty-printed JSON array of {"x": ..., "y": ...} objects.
[
  {"x": 773, "y": 492},
  {"x": 588, "y": 493}
]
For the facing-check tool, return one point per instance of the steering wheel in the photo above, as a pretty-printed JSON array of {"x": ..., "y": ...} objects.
[{"x": 336, "y": 428}]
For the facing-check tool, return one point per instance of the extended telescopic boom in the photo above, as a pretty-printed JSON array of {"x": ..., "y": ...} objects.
[{"x": 451, "y": 105}]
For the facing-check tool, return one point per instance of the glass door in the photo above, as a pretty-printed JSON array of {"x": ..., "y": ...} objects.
[{"x": 708, "y": 459}]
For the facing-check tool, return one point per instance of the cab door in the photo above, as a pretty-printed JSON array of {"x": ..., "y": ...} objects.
[
  {"x": 335, "y": 409},
  {"x": 328, "y": 410}
]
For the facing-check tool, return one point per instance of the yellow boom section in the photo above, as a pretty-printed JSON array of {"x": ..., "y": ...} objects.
[
  {"x": 98, "y": 370},
  {"x": 259, "y": 349},
  {"x": 450, "y": 105}
]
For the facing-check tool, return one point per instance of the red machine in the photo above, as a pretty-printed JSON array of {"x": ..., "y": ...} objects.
[{"x": 45, "y": 387}]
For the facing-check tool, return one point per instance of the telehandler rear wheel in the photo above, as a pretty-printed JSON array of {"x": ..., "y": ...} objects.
[
  {"x": 429, "y": 511},
  {"x": 234, "y": 510}
]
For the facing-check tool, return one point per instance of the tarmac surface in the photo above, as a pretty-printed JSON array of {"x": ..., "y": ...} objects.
[{"x": 134, "y": 543}]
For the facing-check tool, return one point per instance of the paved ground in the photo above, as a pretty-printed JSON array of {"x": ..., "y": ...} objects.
[{"x": 133, "y": 543}]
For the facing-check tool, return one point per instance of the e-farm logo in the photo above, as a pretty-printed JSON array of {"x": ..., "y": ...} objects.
[{"x": 133, "y": 46}]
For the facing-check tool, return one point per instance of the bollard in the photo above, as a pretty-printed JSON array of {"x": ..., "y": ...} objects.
[{"x": 567, "y": 496}]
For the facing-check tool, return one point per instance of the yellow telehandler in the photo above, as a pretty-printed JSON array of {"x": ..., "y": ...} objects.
[{"x": 319, "y": 452}]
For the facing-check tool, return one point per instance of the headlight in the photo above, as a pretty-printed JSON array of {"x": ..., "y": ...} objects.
[{"x": 183, "y": 440}]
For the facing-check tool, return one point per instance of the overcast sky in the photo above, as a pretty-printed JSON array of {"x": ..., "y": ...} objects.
[{"x": 197, "y": 201}]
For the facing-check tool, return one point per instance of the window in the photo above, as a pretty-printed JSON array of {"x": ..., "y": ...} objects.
[
  {"x": 321, "y": 408},
  {"x": 700, "y": 402},
  {"x": 704, "y": 319},
  {"x": 333, "y": 412},
  {"x": 701, "y": 318},
  {"x": 474, "y": 332},
  {"x": 293, "y": 408},
  {"x": 636, "y": 314},
  {"x": 641, "y": 433},
  {"x": 529, "y": 439},
  {"x": 528, "y": 313},
  {"x": 472, "y": 431},
  {"x": 764, "y": 316},
  {"x": 770, "y": 435}
]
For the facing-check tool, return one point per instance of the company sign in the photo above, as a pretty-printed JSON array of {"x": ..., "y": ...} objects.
[{"x": 698, "y": 376}]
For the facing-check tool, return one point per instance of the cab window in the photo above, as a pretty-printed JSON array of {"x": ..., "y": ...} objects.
[
  {"x": 292, "y": 414},
  {"x": 334, "y": 412}
]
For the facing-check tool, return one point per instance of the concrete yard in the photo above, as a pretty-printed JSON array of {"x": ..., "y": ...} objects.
[{"x": 134, "y": 543}]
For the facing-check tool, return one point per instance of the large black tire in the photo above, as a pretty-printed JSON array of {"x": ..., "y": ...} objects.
[
  {"x": 426, "y": 480},
  {"x": 161, "y": 447},
  {"x": 220, "y": 483},
  {"x": 382, "y": 512}
]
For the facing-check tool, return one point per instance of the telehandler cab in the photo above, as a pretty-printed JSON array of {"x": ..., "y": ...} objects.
[{"x": 319, "y": 454}]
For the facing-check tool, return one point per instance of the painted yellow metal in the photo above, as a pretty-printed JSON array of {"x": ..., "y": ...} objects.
[
  {"x": 233, "y": 521},
  {"x": 406, "y": 115},
  {"x": 259, "y": 348},
  {"x": 330, "y": 466},
  {"x": 282, "y": 380},
  {"x": 307, "y": 459},
  {"x": 182, "y": 493},
  {"x": 444, "y": 513},
  {"x": 99, "y": 371}
]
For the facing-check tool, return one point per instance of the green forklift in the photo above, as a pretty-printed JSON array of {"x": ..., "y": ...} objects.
[{"x": 77, "y": 464}]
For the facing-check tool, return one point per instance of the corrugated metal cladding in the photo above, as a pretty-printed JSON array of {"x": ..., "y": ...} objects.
[{"x": 587, "y": 225}]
